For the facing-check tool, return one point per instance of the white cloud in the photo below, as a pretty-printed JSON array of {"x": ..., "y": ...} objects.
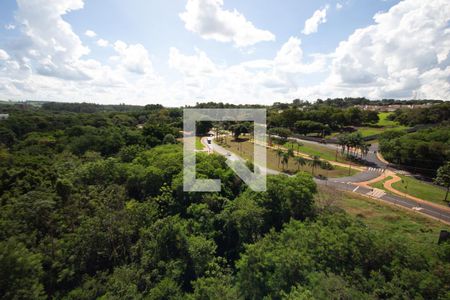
[
  {"x": 134, "y": 58},
  {"x": 339, "y": 6},
  {"x": 212, "y": 22},
  {"x": 102, "y": 43},
  {"x": 10, "y": 26},
  {"x": 90, "y": 33},
  {"x": 3, "y": 55},
  {"x": 289, "y": 59},
  {"x": 198, "y": 64},
  {"x": 395, "y": 56},
  {"x": 50, "y": 62},
  {"x": 404, "y": 54},
  {"x": 55, "y": 46},
  {"x": 257, "y": 81},
  {"x": 312, "y": 24}
]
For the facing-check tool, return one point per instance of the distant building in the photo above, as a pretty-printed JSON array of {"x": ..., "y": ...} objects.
[
  {"x": 4, "y": 116},
  {"x": 391, "y": 107}
]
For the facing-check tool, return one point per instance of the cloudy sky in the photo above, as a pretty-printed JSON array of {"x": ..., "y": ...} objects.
[{"x": 179, "y": 52}]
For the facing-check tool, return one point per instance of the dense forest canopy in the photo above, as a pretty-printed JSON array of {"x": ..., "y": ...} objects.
[
  {"x": 92, "y": 206},
  {"x": 425, "y": 150}
]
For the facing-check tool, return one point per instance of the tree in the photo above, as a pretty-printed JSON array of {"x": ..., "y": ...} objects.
[
  {"x": 279, "y": 153},
  {"x": 20, "y": 272},
  {"x": 285, "y": 160},
  {"x": 300, "y": 161},
  {"x": 203, "y": 127},
  {"x": 239, "y": 129},
  {"x": 343, "y": 141},
  {"x": 169, "y": 139},
  {"x": 286, "y": 156},
  {"x": 7, "y": 137},
  {"x": 284, "y": 199},
  {"x": 443, "y": 178},
  {"x": 281, "y": 133}
]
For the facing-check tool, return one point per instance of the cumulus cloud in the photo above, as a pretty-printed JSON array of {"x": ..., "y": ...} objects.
[
  {"x": 289, "y": 59},
  {"x": 254, "y": 81},
  {"x": 90, "y": 33},
  {"x": 404, "y": 54},
  {"x": 3, "y": 55},
  {"x": 134, "y": 58},
  {"x": 395, "y": 56},
  {"x": 10, "y": 26},
  {"x": 312, "y": 24},
  {"x": 49, "y": 61},
  {"x": 53, "y": 44},
  {"x": 208, "y": 19},
  {"x": 195, "y": 65},
  {"x": 339, "y": 6},
  {"x": 102, "y": 43}
]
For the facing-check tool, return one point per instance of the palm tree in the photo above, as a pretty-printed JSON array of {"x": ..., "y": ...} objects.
[
  {"x": 301, "y": 161},
  {"x": 279, "y": 154},
  {"x": 290, "y": 152},
  {"x": 298, "y": 146},
  {"x": 285, "y": 159},
  {"x": 364, "y": 149},
  {"x": 315, "y": 162},
  {"x": 343, "y": 141}
]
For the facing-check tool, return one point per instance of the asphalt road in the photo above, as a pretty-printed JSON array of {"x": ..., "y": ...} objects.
[{"x": 345, "y": 184}]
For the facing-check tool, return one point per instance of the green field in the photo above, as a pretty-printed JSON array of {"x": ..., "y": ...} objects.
[
  {"x": 387, "y": 218},
  {"x": 382, "y": 125},
  {"x": 420, "y": 189},
  {"x": 245, "y": 150},
  {"x": 383, "y": 120}
]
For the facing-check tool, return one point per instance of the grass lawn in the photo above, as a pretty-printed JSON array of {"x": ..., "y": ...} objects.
[
  {"x": 420, "y": 230},
  {"x": 380, "y": 184},
  {"x": 367, "y": 131},
  {"x": 382, "y": 125},
  {"x": 420, "y": 189},
  {"x": 383, "y": 120},
  {"x": 198, "y": 143},
  {"x": 313, "y": 149},
  {"x": 245, "y": 150}
]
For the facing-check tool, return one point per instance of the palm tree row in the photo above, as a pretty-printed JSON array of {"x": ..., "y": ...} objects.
[
  {"x": 284, "y": 156},
  {"x": 353, "y": 144}
]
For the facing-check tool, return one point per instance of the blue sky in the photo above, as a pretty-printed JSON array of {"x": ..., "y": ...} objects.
[{"x": 183, "y": 51}]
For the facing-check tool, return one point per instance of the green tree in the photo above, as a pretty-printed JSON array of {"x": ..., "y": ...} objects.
[
  {"x": 443, "y": 178},
  {"x": 169, "y": 139},
  {"x": 20, "y": 272},
  {"x": 300, "y": 161}
]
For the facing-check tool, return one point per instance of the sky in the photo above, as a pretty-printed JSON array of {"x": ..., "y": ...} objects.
[{"x": 179, "y": 52}]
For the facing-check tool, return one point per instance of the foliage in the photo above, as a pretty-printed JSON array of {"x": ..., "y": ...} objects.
[
  {"x": 92, "y": 206},
  {"x": 424, "y": 151}
]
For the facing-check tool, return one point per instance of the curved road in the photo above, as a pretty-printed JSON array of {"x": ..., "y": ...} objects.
[{"x": 346, "y": 184}]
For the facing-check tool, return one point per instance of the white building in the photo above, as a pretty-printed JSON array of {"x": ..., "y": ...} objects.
[{"x": 4, "y": 116}]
